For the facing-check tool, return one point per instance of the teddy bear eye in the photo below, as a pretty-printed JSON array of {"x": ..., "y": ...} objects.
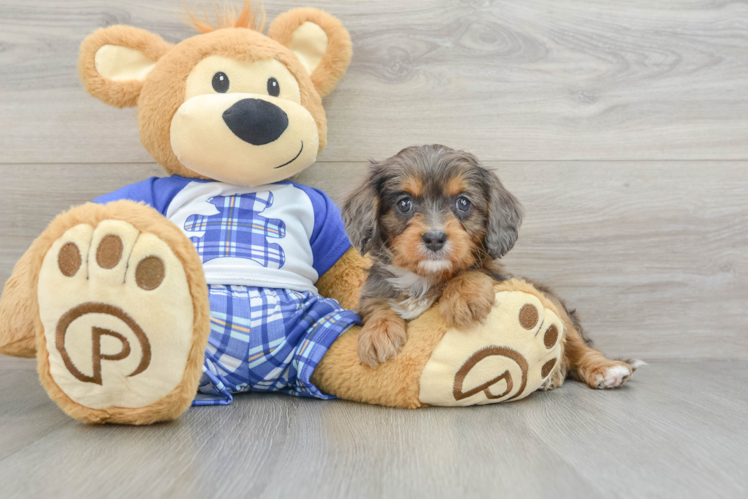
[
  {"x": 220, "y": 82},
  {"x": 274, "y": 88}
]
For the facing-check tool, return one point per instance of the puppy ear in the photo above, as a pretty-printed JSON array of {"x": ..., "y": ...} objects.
[
  {"x": 319, "y": 41},
  {"x": 115, "y": 61},
  {"x": 360, "y": 212},
  {"x": 504, "y": 217}
]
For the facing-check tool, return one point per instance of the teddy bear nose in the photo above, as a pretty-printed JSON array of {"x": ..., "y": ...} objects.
[{"x": 256, "y": 121}]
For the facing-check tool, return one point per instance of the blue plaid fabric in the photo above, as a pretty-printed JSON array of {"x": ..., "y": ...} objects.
[
  {"x": 269, "y": 340},
  {"x": 238, "y": 230}
]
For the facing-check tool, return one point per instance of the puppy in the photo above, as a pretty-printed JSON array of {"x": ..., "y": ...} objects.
[{"x": 434, "y": 221}]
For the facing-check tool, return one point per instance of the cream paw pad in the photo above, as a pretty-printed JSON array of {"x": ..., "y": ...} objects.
[
  {"x": 505, "y": 359},
  {"x": 117, "y": 316}
]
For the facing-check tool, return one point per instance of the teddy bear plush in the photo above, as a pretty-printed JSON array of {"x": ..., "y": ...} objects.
[{"x": 225, "y": 276}]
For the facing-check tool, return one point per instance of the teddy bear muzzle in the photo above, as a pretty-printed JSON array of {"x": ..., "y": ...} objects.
[{"x": 243, "y": 138}]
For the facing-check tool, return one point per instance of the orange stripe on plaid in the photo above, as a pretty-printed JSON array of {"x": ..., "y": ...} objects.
[
  {"x": 232, "y": 224},
  {"x": 262, "y": 354},
  {"x": 256, "y": 356},
  {"x": 322, "y": 320},
  {"x": 304, "y": 348},
  {"x": 233, "y": 327},
  {"x": 268, "y": 229}
]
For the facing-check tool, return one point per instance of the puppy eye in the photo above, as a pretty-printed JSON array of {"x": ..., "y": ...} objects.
[
  {"x": 404, "y": 205},
  {"x": 274, "y": 88},
  {"x": 220, "y": 82},
  {"x": 463, "y": 204}
]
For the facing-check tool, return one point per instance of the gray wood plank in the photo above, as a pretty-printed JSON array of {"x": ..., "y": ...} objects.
[
  {"x": 656, "y": 434},
  {"x": 651, "y": 438},
  {"x": 542, "y": 79},
  {"x": 17, "y": 364},
  {"x": 27, "y": 415},
  {"x": 653, "y": 255}
]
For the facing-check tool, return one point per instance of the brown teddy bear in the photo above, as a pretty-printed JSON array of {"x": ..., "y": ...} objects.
[{"x": 225, "y": 276}]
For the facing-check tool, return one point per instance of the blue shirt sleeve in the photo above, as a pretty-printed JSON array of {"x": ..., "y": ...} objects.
[
  {"x": 329, "y": 241},
  {"x": 156, "y": 192}
]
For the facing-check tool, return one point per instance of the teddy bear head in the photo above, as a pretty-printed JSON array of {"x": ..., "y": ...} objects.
[{"x": 229, "y": 104}]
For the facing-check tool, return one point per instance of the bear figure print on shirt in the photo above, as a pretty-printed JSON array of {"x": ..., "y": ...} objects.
[{"x": 238, "y": 230}]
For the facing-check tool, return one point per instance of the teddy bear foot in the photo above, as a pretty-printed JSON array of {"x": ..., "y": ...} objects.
[
  {"x": 513, "y": 354},
  {"x": 120, "y": 340},
  {"x": 516, "y": 351}
]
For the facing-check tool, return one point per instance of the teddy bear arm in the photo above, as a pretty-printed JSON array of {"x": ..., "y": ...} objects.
[{"x": 343, "y": 280}]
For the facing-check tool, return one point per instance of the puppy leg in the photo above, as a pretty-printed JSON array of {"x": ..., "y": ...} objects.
[
  {"x": 583, "y": 362},
  {"x": 382, "y": 335},
  {"x": 590, "y": 366},
  {"x": 467, "y": 299}
]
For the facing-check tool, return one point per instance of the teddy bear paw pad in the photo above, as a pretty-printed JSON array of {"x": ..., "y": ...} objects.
[
  {"x": 507, "y": 358},
  {"x": 117, "y": 315}
]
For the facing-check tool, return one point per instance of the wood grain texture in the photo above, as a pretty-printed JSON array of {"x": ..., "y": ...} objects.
[
  {"x": 654, "y": 255},
  {"x": 539, "y": 79},
  {"x": 622, "y": 128},
  {"x": 677, "y": 430}
]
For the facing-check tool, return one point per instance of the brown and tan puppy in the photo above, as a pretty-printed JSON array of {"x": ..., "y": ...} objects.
[{"x": 435, "y": 222}]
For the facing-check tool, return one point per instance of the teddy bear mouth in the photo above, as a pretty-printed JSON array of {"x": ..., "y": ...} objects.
[{"x": 292, "y": 159}]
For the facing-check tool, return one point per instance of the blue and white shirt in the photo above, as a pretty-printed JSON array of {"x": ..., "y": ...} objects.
[{"x": 281, "y": 235}]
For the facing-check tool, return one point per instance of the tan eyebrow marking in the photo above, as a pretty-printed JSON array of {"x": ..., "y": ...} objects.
[
  {"x": 412, "y": 186},
  {"x": 455, "y": 186}
]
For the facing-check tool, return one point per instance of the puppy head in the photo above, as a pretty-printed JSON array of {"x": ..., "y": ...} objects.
[{"x": 432, "y": 210}]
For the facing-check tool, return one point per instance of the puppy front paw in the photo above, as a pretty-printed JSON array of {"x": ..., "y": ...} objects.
[
  {"x": 380, "y": 339},
  {"x": 467, "y": 302}
]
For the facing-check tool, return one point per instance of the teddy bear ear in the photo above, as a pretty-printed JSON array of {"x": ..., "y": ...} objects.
[
  {"x": 320, "y": 42},
  {"x": 115, "y": 61}
]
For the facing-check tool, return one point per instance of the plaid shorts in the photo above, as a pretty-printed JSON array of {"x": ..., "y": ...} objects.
[{"x": 268, "y": 340}]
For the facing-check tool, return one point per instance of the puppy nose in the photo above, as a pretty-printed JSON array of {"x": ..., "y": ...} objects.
[
  {"x": 434, "y": 240},
  {"x": 256, "y": 121}
]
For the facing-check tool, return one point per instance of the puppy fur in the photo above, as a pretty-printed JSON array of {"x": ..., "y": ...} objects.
[{"x": 435, "y": 223}]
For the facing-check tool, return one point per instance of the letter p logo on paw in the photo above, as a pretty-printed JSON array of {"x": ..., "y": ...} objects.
[{"x": 96, "y": 339}]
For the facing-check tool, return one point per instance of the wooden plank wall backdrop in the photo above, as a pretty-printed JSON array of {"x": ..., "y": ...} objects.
[{"x": 621, "y": 126}]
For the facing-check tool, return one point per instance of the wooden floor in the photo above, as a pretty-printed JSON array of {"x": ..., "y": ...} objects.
[
  {"x": 678, "y": 430},
  {"x": 623, "y": 129}
]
